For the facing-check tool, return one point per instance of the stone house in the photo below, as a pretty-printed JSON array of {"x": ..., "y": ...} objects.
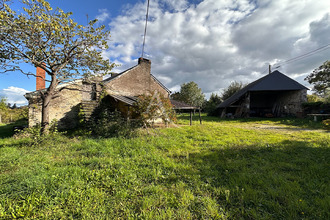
[
  {"x": 83, "y": 96},
  {"x": 273, "y": 95}
]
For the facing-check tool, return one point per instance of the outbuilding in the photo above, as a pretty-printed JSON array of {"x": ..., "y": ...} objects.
[{"x": 273, "y": 95}]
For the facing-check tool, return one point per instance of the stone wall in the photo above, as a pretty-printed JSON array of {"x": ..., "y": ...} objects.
[
  {"x": 135, "y": 82},
  {"x": 66, "y": 106},
  {"x": 292, "y": 102}
]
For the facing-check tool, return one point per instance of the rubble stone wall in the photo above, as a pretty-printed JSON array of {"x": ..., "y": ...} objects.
[
  {"x": 135, "y": 82},
  {"x": 292, "y": 102}
]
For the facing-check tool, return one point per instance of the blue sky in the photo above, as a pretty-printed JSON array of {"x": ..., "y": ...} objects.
[{"x": 210, "y": 42}]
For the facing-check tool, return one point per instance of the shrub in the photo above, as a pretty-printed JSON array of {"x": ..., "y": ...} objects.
[
  {"x": 35, "y": 133},
  {"x": 112, "y": 124},
  {"x": 326, "y": 123},
  {"x": 149, "y": 108}
]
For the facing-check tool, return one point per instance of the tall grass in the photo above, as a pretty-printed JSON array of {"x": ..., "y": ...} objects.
[{"x": 219, "y": 170}]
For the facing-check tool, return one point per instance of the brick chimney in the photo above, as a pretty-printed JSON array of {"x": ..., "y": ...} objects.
[{"x": 40, "y": 79}]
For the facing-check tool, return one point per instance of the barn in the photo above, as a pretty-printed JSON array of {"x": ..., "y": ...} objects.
[{"x": 274, "y": 95}]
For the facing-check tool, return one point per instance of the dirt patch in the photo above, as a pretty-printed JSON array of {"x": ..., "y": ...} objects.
[{"x": 285, "y": 128}]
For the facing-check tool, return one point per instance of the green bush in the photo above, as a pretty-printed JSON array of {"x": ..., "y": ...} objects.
[
  {"x": 326, "y": 123},
  {"x": 35, "y": 133},
  {"x": 113, "y": 124}
]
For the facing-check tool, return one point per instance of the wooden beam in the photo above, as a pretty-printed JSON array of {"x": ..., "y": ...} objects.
[{"x": 190, "y": 117}]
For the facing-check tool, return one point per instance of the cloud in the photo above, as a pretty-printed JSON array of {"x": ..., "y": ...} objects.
[
  {"x": 103, "y": 16},
  {"x": 14, "y": 95},
  {"x": 216, "y": 42}
]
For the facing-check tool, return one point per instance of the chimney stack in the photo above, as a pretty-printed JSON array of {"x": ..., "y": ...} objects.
[
  {"x": 144, "y": 60},
  {"x": 40, "y": 79},
  {"x": 145, "y": 64}
]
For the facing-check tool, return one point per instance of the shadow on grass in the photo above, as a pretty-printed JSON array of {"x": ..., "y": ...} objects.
[
  {"x": 7, "y": 130},
  {"x": 287, "y": 181}
]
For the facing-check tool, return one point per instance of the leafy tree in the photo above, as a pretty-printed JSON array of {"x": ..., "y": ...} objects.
[
  {"x": 176, "y": 96},
  {"x": 313, "y": 98},
  {"x": 149, "y": 108},
  {"x": 211, "y": 105},
  {"x": 3, "y": 109},
  {"x": 191, "y": 94},
  {"x": 320, "y": 78},
  {"x": 51, "y": 40},
  {"x": 231, "y": 90}
]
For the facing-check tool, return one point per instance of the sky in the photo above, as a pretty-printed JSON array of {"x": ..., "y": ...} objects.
[{"x": 210, "y": 42}]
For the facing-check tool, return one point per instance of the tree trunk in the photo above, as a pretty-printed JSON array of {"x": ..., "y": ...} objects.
[
  {"x": 45, "y": 114},
  {"x": 46, "y": 101}
]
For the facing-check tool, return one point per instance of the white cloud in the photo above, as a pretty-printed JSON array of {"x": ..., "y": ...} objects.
[
  {"x": 216, "y": 42},
  {"x": 103, "y": 16},
  {"x": 14, "y": 95}
]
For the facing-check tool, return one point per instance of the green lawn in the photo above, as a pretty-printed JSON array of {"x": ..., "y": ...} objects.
[{"x": 223, "y": 169}]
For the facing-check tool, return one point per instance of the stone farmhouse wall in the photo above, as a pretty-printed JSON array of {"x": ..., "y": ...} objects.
[
  {"x": 135, "y": 82},
  {"x": 67, "y": 105},
  {"x": 64, "y": 108}
]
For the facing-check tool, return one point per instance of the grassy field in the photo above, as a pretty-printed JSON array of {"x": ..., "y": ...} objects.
[{"x": 228, "y": 169}]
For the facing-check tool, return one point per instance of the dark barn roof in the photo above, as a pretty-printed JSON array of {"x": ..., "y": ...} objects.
[{"x": 275, "y": 81}]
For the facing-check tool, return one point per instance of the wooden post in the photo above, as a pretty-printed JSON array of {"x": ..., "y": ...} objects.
[
  {"x": 190, "y": 117},
  {"x": 200, "y": 117},
  {"x": 128, "y": 113},
  {"x": 270, "y": 69}
]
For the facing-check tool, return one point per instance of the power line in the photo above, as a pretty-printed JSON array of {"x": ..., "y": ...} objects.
[
  {"x": 300, "y": 57},
  {"x": 145, "y": 29},
  {"x": 310, "y": 53}
]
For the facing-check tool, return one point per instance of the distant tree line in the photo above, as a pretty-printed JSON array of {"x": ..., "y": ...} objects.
[
  {"x": 11, "y": 113},
  {"x": 191, "y": 94}
]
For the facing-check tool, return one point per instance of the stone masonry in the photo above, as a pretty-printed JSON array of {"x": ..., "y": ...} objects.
[{"x": 74, "y": 96}]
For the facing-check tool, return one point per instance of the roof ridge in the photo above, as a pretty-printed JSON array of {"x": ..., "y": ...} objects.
[
  {"x": 119, "y": 74},
  {"x": 161, "y": 84}
]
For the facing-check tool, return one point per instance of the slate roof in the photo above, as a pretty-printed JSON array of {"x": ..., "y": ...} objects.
[
  {"x": 275, "y": 81},
  {"x": 129, "y": 100},
  {"x": 181, "y": 105}
]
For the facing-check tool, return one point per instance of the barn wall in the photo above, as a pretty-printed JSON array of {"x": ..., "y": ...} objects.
[{"x": 292, "y": 102}]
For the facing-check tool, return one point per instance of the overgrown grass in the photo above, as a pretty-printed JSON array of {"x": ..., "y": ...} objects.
[
  {"x": 223, "y": 169},
  {"x": 7, "y": 130}
]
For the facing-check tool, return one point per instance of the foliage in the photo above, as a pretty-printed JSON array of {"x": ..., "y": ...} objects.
[
  {"x": 51, "y": 40},
  {"x": 190, "y": 94},
  {"x": 34, "y": 133},
  {"x": 313, "y": 98},
  {"x": 3, "y": 110},
  {"x": 320, "y": 78},
  {"x": 224, "y": 169},
  {"x": 176, "y": 96},
  {"x": 231, "y": 90},
  {"x": 113, "y": 124},
  {"x": 327, "y": 96},
  {"x": 8, "y": 115},
  {"x": 326, "y": 123},
  {"x": 150, "y": 108},
  {"x": 211, "y": 105}
]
